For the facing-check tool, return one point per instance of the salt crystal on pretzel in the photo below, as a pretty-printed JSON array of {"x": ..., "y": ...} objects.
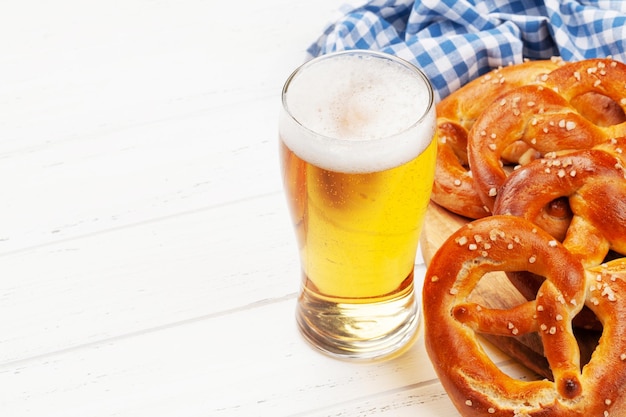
[
  {"x": 476, "y": 386},
  {"x": 454, "y": 185},
  {"x": 483, "y": 127},
  {"x": 593, "y": 184}
]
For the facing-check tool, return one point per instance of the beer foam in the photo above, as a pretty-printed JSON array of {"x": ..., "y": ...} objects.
[{"x": 357, "y": 113}]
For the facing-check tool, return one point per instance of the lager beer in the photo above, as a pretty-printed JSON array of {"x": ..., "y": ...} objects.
[{"x": 358, "y": 158}]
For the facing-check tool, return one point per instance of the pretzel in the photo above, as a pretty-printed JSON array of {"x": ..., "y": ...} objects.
[
  {"x": 543, "y": 117},
  {"x": 454, "y": 186},
  {"x": 592, "y": 89},
  {"x": 476, "y": 386},
  {"x": 594, "y": 184}
]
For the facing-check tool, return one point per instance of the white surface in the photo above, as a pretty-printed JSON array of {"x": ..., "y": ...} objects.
[{"x": 148, "y": 267}]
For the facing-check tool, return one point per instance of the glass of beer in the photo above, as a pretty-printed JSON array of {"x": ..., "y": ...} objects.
[{"x": 358, "y": 150}]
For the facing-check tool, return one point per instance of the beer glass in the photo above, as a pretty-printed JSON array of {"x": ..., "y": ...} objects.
[{"x": 358, "y": 149}]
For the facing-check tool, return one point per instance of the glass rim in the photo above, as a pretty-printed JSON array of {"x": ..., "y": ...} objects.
[{"x": 377, "y": 54}]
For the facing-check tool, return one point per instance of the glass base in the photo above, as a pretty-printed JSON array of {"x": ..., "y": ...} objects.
[{"x": 361, "y": 331}]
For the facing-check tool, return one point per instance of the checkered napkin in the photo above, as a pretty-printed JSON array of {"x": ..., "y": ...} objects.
[{"x": 454, "y": 41}]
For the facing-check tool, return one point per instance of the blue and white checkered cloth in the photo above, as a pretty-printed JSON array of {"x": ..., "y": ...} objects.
[{"x": 454, "y": 41}]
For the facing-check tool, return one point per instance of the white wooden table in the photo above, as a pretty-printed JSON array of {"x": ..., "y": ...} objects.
[{"x": 147, "y": 263}]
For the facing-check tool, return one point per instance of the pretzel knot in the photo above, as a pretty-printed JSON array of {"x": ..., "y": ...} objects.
[
  {"x": 475, "y": 384},
  {"x": 556, "y": 107},
  {"x": 593, "y": 183},
  {"x": 454, "y": 186}
]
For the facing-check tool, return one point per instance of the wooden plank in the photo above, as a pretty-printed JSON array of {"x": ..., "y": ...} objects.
[
  {"x": 426, "y": 399},
  {"x": 251, "y": 362},
  {"x": 130, "y": 279}
]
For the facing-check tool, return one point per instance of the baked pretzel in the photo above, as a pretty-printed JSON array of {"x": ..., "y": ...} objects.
[
  {"x": 594, "y": 184},
  {"x": 591, "y": 88},
  {"x": 476, "y": 386},
  {"x": 543, "y": 117},
  {"x": 454, "y": 186}
]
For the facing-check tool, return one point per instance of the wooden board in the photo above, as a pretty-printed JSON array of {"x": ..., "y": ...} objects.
[{"x": 496, "y": 291}]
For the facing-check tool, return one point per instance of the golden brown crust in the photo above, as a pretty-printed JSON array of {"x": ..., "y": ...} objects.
[
  {"x": 536, "y": 115},
  {"x": 594, "y": 183},
  {"x": 542, "y": 116},
  {"x": 540, "y": 164},
  {"x": 476, "y": 386},
  {"x": 454, "y": 186},
  {"x": 517, "y": 114}
]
